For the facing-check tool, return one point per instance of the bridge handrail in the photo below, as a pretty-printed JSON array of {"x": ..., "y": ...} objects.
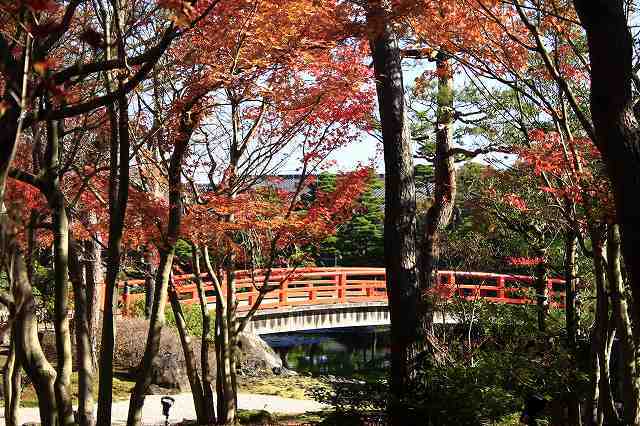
[{"x": 311, "y": 286}]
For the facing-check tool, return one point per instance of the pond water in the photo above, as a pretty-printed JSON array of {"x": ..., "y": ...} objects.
[{"x": 340, "y": 352}]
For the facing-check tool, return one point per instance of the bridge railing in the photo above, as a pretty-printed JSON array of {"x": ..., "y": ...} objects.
[{"x": 317, "y": 286}]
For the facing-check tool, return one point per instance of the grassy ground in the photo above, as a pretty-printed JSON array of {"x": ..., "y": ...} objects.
[
  {"x": 295, "y": 387},
  {"x": 121, "y": 391}
]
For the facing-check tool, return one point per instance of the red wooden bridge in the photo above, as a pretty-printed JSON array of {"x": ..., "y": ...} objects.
[{"x": 340, "y": 286}]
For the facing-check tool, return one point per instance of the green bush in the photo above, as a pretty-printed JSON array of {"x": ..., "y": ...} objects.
[{"x": 192, "y": 316}]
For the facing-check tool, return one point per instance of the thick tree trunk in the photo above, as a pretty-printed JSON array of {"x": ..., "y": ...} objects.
[
  {"x": 440, "y": 212},
  {"x": 28, "y": 349},
  {"x": 611, "y": 59},
  {"x": 400, "y": 204},
  {"x": 84, "y": 358},
  {"x": 189, "y": 358},
  {"x": 630, "y": 379}
]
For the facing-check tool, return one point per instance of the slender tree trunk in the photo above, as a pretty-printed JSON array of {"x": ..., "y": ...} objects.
[
  {"x": 153, "y": 340},
  {"x": 118, "y": 199},
  {"x": 400, "y": 204},
  {"x": 94, "y": 278},
  {"x": 157, "y": 319},
  {"x": 207, "y": 387},
  {"x": 28, "y": 349},
  {"x": 189, "y": 358},
  {"x": 232, "y": 404},
  {"x": 83, "y": 340},
  {"x": 12, "y": 384},
  {"x": 542, "y": 292},
  {"x": 602, "y": 410},
  {"x": 630, "y": 379},
  {"x": 61, "y": 273},
  {"x": 571, "y": 315},
  {"x": 224, "y": 385},
  {"x": 439, "y": 214},
  {"x": 148, "y": 282}
]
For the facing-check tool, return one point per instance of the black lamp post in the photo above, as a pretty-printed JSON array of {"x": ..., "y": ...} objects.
[{"x": 167, "y": 403}]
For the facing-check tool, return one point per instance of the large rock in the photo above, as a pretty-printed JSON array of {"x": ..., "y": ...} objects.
[
  {"x": 168, "y": 374},
  {"x": 256, "y": 356}
]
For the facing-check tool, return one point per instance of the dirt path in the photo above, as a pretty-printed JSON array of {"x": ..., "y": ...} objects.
[{"x": 183, "y": 408}]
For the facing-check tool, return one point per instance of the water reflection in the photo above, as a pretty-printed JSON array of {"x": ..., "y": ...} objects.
[{"x": 341, "y": 352}]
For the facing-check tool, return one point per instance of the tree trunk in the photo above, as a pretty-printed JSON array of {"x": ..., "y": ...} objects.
[
  {"x": 93, "y": 278},
  {"x": 207, "y": 386},
  {"x": 28, "y": 349},
  {"x": 83, "y": 340},
  {"x": 224, "y": 385},
  {"x": 542, "y": 291},
  {"x": 157, "y": 319},
  {"x": 439, "y": 214},
  {"x": 400, "y": 204},
  {"x": 571, "y": 318},
  {"x": 189, "y": 358},
  {"x": 148, "y": 282},
  {"x": 153, "y": 340},
  {"x": 60, "y": 220},
  {"x": 630, "y": 380},
  {"x": 611, "y": 63},
  {"x": 12, "y": 384},
  {"x": 602, "y": 410},
  {"x": 118, "y": 199}
]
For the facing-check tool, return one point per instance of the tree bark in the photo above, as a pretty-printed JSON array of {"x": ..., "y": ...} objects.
[
  {"x": 148, "y": 282},
  {"x": 439, "y": 214},
  {"x": 571, "y": 319},
  {"x": 602, "y": 410},
  {"x": 118, "y": 199},
  {"x": 189, "y": 358},
  {"x": 157, "y": 319},
  {"x": 28, "y": 349},
  {"x": 611, "y": 63},
  {"x": 630, "y": 380},
  {"x": 93, "y": 278},
  {"x": 83, "y": 339},
  {"x": 542, "y": 292},
  {"x": 12, "y": 384},
  {"x": 61, "y": 274},
  {"x": 224, "y": 385},
  {"x": 207, "y": 387},
  {"x": 400, "y": 204}
]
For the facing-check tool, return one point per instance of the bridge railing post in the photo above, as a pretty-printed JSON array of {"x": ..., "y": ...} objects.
[
  {"x": 501, "y": 287},
  {"x": 312, "y": 292},
  {"x": 282, "y": 298},
  {"x": 342, "y": 286}
]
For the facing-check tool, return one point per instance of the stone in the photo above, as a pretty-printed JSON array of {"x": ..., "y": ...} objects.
[
  {"x": 282, "y": 371},
  {"x": 256, "y": 356},
  {"x": 168, "y": 372}
]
